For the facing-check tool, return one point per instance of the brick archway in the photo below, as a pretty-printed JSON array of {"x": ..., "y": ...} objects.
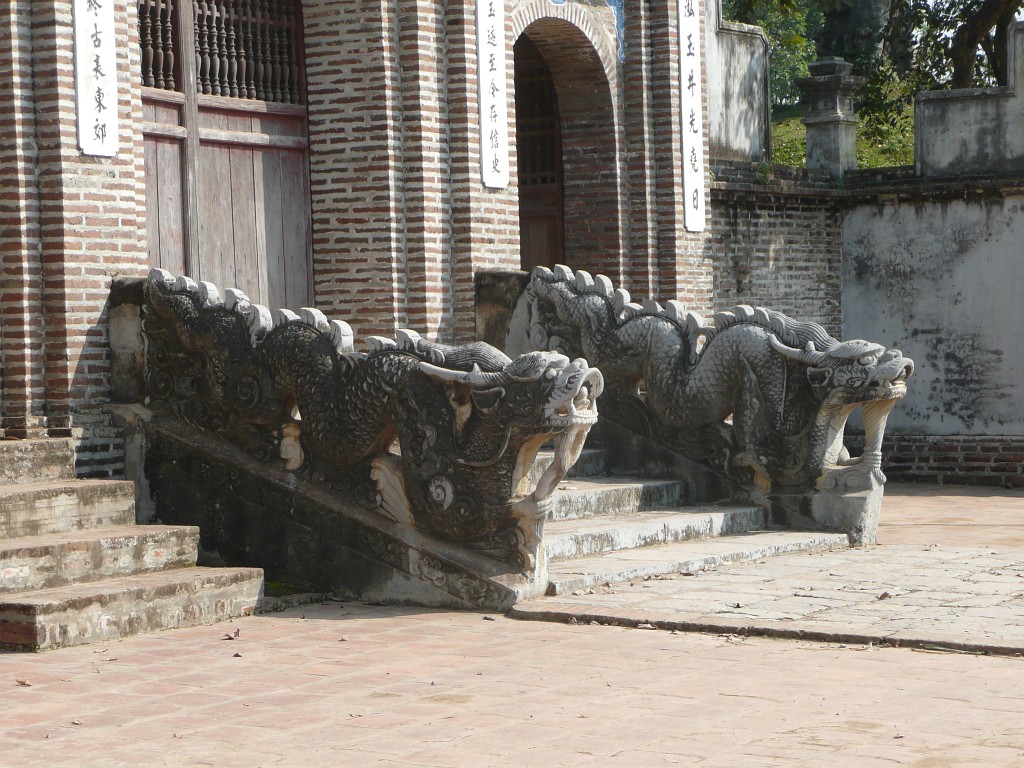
[{"x": 584, "y": 75}]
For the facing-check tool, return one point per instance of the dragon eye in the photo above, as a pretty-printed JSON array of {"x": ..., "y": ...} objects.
[
  {"x": 866, "y": 360},
  {"x": 550, "y": 373}
]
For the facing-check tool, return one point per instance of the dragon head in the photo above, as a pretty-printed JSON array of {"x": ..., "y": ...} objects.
[
  {"x": 849, "y": 375},
  {"x": 503, "y": 417}
]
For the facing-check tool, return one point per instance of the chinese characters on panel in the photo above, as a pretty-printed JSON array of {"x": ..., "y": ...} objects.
[
  {"x": 692, "y": 105},
  {"x": 490, "y": 47},
  {"x": 96, "y": 77}
]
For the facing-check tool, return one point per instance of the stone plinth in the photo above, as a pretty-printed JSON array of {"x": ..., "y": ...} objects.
[{"x": 831, "y": 121}]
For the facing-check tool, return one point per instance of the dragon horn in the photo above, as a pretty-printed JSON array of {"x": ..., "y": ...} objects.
[
  {"x": 810, "y": 355},
  {"x": 473, "y": 378}
]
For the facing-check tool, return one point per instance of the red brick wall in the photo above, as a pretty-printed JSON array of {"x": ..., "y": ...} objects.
[
  {"x": 89, "y": 228},
  {"x": 777, "y": 241},
  {"x": 21, "y": 337},
  {"x": 353, "y": 81},
  {"x": 952, "y": 459}
]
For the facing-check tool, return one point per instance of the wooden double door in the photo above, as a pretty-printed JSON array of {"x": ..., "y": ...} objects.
[{"x": 226, "y": 145}]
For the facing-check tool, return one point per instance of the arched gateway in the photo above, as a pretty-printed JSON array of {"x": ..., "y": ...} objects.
[{"x": 566, "y": 141}]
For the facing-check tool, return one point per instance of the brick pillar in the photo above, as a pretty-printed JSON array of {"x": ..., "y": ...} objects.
[
  {"x": 425, "y": 151},
  {"x": 684, "y": 261},
  {"x": 21, "y": 284},
  {"x": 356, "y": 164},
  {"x": 485, "y": 222},
  {"x": 642, "y": 210},
  {"x": 90, "y": 229}
]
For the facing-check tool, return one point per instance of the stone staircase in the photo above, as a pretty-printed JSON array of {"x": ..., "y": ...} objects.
[
  {"x": 604, "y": 529},
  {"x": 74, "y": 567}
]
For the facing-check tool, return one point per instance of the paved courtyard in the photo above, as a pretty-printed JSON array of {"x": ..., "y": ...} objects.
[{"x": 350, "y": 684}]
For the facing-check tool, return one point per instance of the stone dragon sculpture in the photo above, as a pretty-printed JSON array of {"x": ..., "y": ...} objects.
[
  {"x": 440, "y": 437},
  {"x": 751, "y": 388}
]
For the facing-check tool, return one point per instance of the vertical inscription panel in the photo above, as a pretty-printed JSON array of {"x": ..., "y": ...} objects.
[
  {"x": 691, "y": 99},
  {"x": 490, "y": 48},
  {"x": 96, "y": 77}
]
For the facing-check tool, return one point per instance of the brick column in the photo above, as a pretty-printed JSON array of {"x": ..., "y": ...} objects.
[
  {"x": 90, "y": 213},
  {"x": 21, "y": 284},
  {"x": 684, "y": 260},
  {"x": 425, "y": 151},
  {"x": 485, "y": 222},
  {"x": 356, "y": 165}
]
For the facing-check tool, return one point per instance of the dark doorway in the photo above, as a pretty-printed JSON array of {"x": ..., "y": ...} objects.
[{"x": 539, "y": 151}]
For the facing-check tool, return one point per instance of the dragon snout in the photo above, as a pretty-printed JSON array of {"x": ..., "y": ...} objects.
[
  {"x": 893, "y": 368},
  {"x": 576, "y": 391}
]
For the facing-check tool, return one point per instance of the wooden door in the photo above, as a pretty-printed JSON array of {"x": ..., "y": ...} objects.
[
  {"x": 539, "y": 152},
  {"x": 227, "y": 173}
]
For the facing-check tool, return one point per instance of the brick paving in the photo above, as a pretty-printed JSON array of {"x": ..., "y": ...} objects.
[{"x": 351, "y": 684}]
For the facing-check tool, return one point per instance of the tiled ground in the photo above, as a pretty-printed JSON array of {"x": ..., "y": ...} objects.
[{"x": 354, "y": 685}]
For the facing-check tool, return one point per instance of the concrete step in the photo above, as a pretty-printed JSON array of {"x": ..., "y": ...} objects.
[
  {"x": 570, "y": 539},
  {"x": 579, "y": 498},
  {"x": 36, "y": 461},
  {"x": 683, "y": 557},
  {"x": 108, "y": 610},
  {"x": 55, "y": 559},
  {"x": 592, "y": 462},
  {"x": 35, "y": 509}
]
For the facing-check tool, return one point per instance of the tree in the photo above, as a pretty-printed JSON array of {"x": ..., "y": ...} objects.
[
  {"x": 927, "y": 43},
  {"x": 971, "y": 37}
]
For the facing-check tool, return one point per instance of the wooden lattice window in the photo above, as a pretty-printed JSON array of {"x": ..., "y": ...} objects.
[{"x": 244, "y": 49}]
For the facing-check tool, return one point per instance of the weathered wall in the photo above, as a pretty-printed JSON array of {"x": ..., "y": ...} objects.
[
  {"x": 739, "y": 99},
  {"x": 936, "y": 269},
  {"x": 940, "y": 279}
]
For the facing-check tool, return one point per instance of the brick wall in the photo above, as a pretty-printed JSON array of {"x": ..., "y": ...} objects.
[
  {"x": 21, "y": 291},
  {"x": 777, "y": 241},
  {"x": 952, "y": 459},
  {"x": 401, "y": 220},
  {"x": 89, "y": 231}
]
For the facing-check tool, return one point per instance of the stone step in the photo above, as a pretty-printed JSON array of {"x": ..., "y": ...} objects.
[
  {"x": 108, "y": 610},
  {"x": 36, "y": 461},
  {"x": 35, "y": 509},
  {"x": 583, "y": 573},
  {"x": 570, "y": 539},
  {"x": 579, "y": 498},
  {"x": 593, "y": 462},
  {"x": 41, "y": 562}
]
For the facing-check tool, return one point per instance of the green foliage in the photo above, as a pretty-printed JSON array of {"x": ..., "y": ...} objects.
[
  {"x": 789, "y": 138},
  {"x": 878, "y": 147}
]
